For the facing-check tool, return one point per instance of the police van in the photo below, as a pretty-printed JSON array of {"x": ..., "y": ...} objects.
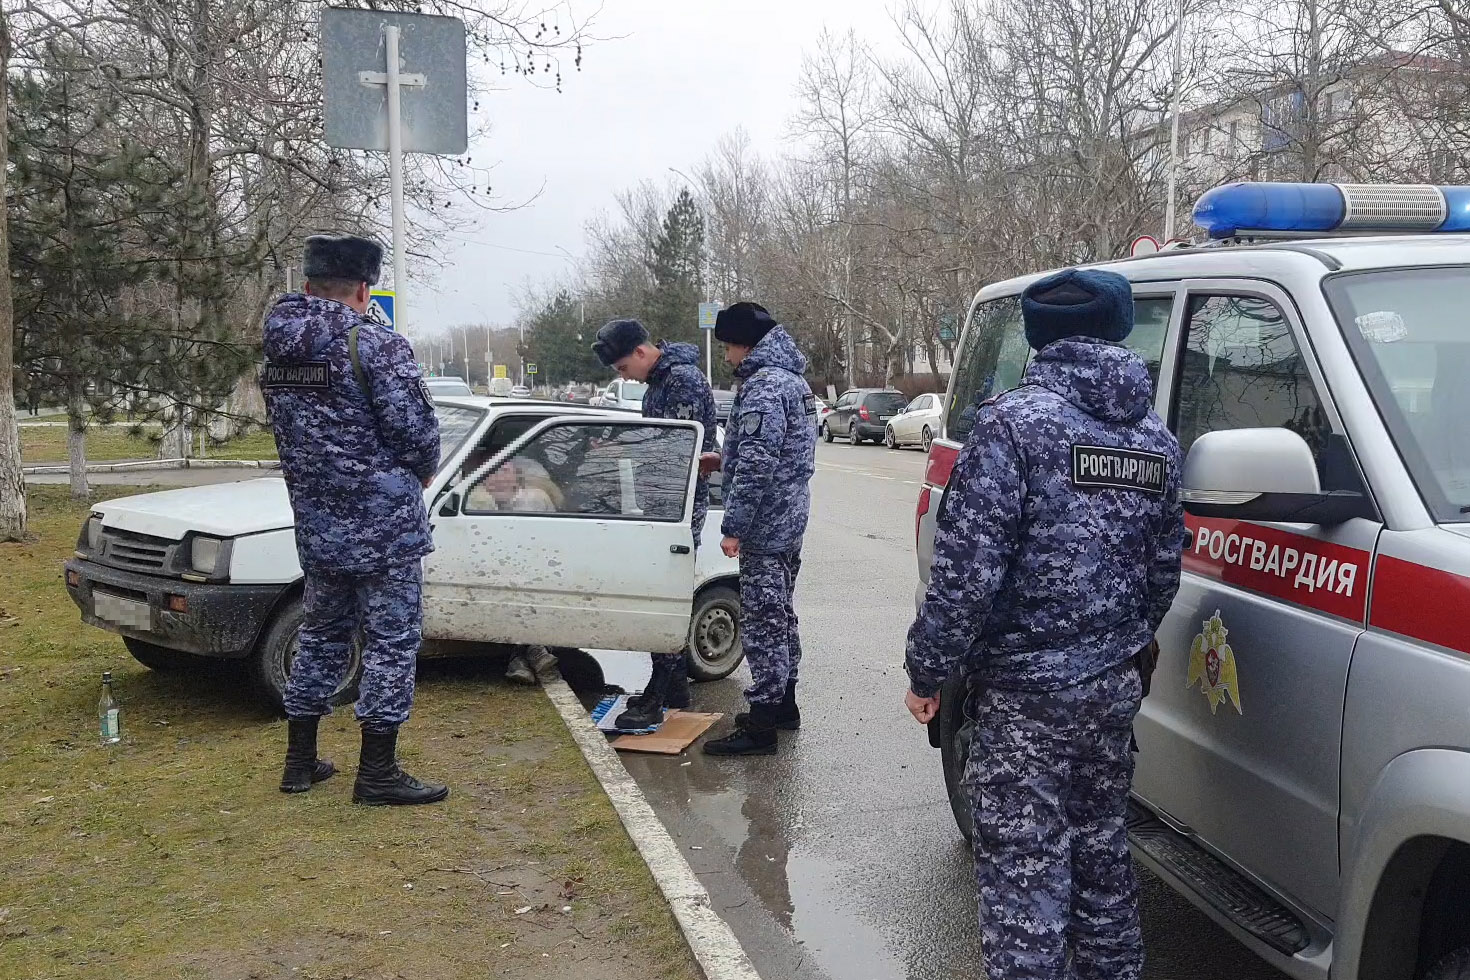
[
  {"x": 1304, "y": 756},
  {"x": 553, "y": 524}
]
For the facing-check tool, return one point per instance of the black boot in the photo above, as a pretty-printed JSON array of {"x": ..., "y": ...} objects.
[
  {"x": 646, "y": 710},
  {"x": 379, "y": 780},
  {"x": 678, "y": 695},
  {"x": 303, "y": 768},
  {"x": 788, "y": 715},
  {"x": 755, "y": 736}
]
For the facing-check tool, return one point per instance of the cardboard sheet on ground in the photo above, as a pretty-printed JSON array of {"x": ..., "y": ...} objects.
[{"x": 677, "y": 733}]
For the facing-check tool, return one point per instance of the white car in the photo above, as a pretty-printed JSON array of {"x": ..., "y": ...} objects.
[
  {"x": 212, "y": 572},
  {"x": 444, "y": 386},
  {"x": 623, "y": 394},
  {"x": 917, "y": 424},
  {"x": 823, "y": 410},
  {"x": 520, "y": 391}
]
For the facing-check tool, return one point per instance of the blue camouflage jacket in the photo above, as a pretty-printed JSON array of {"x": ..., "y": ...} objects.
[
  {"x": 770, "y": 448},
  {"x": 677, "y": 389},
  {"x": 353, "y": 460},
  {"x": 1057, "y": 546}
]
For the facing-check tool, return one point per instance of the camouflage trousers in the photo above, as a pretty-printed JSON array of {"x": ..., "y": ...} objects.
[
  {"x": 1048, "y": 779},
  {"x": 387, "y": 609},
  {"x": 768, "y": 622}
]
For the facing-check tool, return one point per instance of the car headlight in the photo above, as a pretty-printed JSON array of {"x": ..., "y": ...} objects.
[
  {"x": 90, "y": 539},
  {"x": 204, "y": 554}
]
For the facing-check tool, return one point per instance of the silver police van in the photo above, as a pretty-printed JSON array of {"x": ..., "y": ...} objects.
[{"x": 1304, "y": 757}]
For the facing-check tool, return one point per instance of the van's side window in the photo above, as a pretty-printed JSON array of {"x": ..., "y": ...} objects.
[
  {"x": 1240, "y": 368},
  {"x": 996, "y": 353}
]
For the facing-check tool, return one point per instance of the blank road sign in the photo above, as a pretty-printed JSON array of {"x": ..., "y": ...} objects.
[
  {"x": 356, "y": 114},
  {"x": 707, "y": 314}
]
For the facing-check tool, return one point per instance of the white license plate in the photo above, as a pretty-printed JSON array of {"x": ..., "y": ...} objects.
[
  {"x": 884, "y": 418},
  {"x": 120, "y": 611}
]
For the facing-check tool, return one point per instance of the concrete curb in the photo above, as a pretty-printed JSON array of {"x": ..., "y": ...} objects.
[
  {"x": 715, "y": 947},
  {"x": 150, "y": 465}
]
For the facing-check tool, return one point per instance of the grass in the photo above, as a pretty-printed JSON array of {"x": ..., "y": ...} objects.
[
  {"x": 47, "y": 444},
  {"x": 173, "y": 854}
]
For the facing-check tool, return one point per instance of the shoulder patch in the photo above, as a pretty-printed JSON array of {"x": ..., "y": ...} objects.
[
  {"x": 1120, "y": 469},
  {"x": 750, "y": 423},
  {"x": 308, "y": 375},
  {"x": 685, "y": 412},
  {"x": 424, "y": 395},
  {"x": 809, "y": 404}
]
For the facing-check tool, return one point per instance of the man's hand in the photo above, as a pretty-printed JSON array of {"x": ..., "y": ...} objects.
[
  {"x": 730, "y": 546},
  {"x": 708, "y": 463},
  {"x": 923, "y": 709}
]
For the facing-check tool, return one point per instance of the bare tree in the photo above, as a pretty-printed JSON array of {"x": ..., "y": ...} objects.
[{"x": 12, "y": 482}]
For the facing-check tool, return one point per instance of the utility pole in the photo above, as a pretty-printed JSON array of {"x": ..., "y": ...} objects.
[
  {"x": 1173, "y": 182},
  {"x": 464, "y": 335},
  {"x": 488, "y": 364}
]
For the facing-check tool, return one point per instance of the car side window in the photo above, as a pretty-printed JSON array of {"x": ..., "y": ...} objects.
[
  {"x": 1240, "y": 367},
  {"x": 993, "y": 360},
  {"x": 592, "y": 469}
]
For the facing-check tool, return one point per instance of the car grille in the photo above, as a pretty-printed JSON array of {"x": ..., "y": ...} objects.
[{"x": 138, "y": 552}]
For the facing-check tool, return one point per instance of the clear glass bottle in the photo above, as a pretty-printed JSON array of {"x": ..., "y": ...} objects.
[{"x": 109, "y": 715}]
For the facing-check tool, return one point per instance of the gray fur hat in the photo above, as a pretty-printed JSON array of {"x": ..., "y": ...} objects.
[{"x": 344, "y": 257}]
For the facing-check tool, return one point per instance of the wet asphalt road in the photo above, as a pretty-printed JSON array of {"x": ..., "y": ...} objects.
[{"x": 838, "y": 858}]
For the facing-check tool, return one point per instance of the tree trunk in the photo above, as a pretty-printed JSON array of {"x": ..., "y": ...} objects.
[
  {"x": 76, "y": 446},
  {"x": 12, "y": 483}
]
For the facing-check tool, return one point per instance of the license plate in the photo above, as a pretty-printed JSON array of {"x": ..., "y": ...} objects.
[
  {"x": 884, "y": 418},
  {"x": 121, "y": 611}
]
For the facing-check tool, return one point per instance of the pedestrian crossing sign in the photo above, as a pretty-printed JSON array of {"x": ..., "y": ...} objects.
[{"x": 380, "y": 307}]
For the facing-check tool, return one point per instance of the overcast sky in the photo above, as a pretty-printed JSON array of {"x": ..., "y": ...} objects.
[{"x": 678, "y": 76}]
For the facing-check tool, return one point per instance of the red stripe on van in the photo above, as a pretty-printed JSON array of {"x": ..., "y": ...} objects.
[
  {"x": 1421, "y": 602},
  {"x": 1328, "y": 577},
  {"x": 941, "y": 464}
]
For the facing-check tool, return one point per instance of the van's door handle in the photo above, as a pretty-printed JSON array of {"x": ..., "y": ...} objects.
[
  {"x": 678, "y": 549},
  {"x": 1188, "y": 539}
]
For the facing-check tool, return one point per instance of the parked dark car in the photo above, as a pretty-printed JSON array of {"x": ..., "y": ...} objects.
[{"x": 863, "y": 413}]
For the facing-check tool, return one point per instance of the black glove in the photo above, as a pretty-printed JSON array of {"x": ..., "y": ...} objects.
[{"x": 1146, "y": 660}]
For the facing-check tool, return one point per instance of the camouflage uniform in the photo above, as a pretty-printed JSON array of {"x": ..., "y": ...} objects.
[
  {"x": 770, "y": 455},
  {"x": 353, "y": 461},
  {"x": 1056, "y": 556},
  {"x": 677, "y": 389}
]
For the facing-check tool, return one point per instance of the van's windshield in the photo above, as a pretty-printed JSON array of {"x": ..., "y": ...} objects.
[{"x": 1409, "y": 331}]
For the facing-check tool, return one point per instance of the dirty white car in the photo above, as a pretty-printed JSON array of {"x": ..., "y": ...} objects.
[{"x": 605, "y": 561}]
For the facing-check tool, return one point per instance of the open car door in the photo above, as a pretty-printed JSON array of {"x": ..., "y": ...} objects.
[{"x": 576, "y": 535}]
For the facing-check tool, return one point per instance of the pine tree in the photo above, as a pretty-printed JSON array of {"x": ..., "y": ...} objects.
[{"x": 671, "y": 309}]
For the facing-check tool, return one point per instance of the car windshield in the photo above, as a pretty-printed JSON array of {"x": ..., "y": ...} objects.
[
  {"x": 886, "y": 402},
  {"x": 455, "y": 424},
  {"x": 633, "y": 391},
  {"x": 1408, "y": 331},
  {"x": 449, "y": 387}
]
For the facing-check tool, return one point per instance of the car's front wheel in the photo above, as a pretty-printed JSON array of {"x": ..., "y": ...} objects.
[
  {"x": 826, "y": 432},
  {"x": 928, "y": 439},
  {"x": 889, "y": 439},
  {"x": 277, "y": 652},
  {"x": 162, "y": 659},
  {"x": 714, "y": 634},
  {"x": 956, "y": 732}
]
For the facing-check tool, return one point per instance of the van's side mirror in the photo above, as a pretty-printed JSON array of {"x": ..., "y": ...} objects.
[
  {"x": 450, "y": 507},
  {"x": 1262, "y": 475}
]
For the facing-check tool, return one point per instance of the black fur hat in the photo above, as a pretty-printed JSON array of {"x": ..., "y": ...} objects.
[
  {"x": 743, "y": 324},
  {"x": 617, "y": 339},
  {"x": 344, "y": 257}
]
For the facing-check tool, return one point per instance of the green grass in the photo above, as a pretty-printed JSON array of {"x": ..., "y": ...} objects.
[
  {"x": 173, "y": 854},
  {"x": 47, "y": 444}
]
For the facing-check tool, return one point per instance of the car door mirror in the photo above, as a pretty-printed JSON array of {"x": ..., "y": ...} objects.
[
  {"x": 450, "y": 506},
  {"x": 1264, "y": 474}
]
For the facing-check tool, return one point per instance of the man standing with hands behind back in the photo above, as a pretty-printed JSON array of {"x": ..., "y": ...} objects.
[
  {"x": 1056, "y": 556},
  {"x": 676, "y": 390},
  {"x": 770, "y": 455},
  {"x": 358, "y": 441}
]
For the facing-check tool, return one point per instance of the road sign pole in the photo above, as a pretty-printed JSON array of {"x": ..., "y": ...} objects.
[
  {"x": 709, "y": 358},
  {"x": 395, "y": 177}
]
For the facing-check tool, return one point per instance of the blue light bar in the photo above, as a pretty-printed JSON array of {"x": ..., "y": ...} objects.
[{"x": 1238, "y": 210}]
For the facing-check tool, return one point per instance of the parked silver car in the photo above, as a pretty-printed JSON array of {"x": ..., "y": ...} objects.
[{"x": 916, "y": 425}]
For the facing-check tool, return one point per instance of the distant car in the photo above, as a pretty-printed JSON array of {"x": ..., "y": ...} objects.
[
  {"x": 622, "y": 394},
  {"x": 445, "y": 387},
  {"x": 823, "y": 410},
  {"x": 520, "y": 391},
  {"x": 917, "y": 424},
  {"x": 724, "y": 403},
  {"x": 863, "y": 413}
]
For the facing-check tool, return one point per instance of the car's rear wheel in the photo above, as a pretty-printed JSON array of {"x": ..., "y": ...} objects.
[
  {"x": 852, "y": 435},
  {"x": 714, "y": 634},
  {"x": 277, "y": 651},
  {"x": 162, "y": 659},
  {"x": 889, "y": 439},
  {"x": 956, "y": 731},
  {"x": 928, "y": 439},
  {"x": 826, "y": 432}
]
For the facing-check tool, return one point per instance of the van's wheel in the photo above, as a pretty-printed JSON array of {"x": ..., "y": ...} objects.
[
  {"x": 277, "y": 650},
  {"x": 889, "y": 439},
  {"x": 714, "y": 634},
  {"x": 928, "y": 440},
  {"x": 162, "y": 659},
  {"x": 826, "y": 432},
  {"x": 1452, "y": 966},
  {"x": 956, "y": 731}
]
